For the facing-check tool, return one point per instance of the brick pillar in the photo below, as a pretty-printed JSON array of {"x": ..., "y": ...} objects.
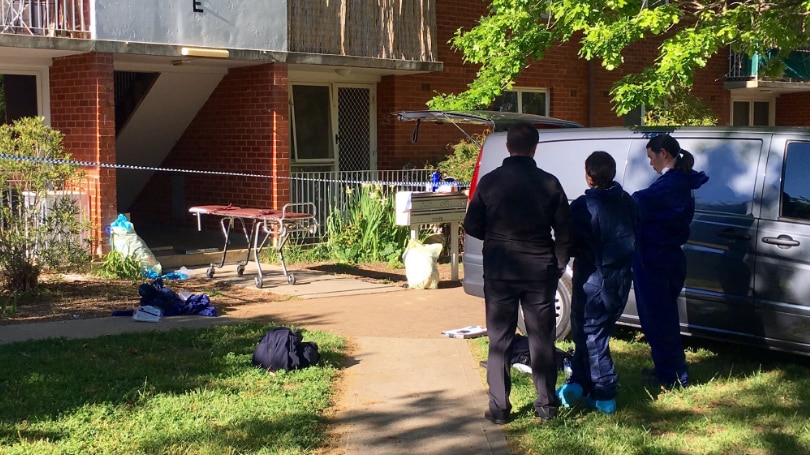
[
  {"x": 280, "y": 145},
  {"x": 83, "y": 109}
]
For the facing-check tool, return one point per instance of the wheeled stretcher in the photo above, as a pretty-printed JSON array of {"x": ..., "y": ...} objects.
[{"x": 258, "y": 225}]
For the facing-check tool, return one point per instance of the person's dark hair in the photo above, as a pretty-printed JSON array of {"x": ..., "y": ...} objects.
[
  {"x": 601, "y": 168},
  {"x": 684, "y": 161},
  {"x": 522, "y": 138}
]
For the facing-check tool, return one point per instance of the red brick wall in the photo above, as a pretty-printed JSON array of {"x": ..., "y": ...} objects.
[
  {"x": 793, "y": 109},
  {"x": 578, "y": 90},
  {"x": 83, "y": 109},
  {"x": 242, "y": 128}
]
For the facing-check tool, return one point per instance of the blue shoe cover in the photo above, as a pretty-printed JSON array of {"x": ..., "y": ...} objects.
[
  {"x": 569, "y": 394},
  {"x": 605, "y": 406}
]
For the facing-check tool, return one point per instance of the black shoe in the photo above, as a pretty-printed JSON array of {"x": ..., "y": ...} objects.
[
  {"x": 545, "y": 415},
  {"x": 496, "y": 420}
]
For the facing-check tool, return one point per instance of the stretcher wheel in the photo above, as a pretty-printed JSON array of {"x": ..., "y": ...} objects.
[
  {"x": 291, "y": 279},
  {"x": 209, "y": 272},
  {"x": 258, "y": 281},
  {"x": 240, "y": 270}
]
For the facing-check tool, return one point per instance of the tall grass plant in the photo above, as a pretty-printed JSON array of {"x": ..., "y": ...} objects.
[{"x": 365, "y": 229}]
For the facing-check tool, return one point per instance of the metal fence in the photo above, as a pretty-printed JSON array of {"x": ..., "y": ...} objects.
[
  {"x": 46, "y": 209},
  {"x": 328, "y": 190}
]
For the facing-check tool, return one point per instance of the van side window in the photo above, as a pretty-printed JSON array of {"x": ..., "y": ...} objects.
[
  {"x": 795, "y": 184},
  {"x": 731, "y": 165}
]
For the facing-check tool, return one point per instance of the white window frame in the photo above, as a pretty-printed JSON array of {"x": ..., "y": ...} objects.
[
  {"x": 521, "y": 90},
  {"x": 771, "y": 100},
  {"x": 43, "y": 85}
]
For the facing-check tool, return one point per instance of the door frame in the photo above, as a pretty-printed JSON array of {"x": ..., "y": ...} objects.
[{"x": 330, "y": 79}]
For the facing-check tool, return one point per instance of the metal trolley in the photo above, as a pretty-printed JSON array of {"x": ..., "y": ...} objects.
[{"x": 258, "y": 225}]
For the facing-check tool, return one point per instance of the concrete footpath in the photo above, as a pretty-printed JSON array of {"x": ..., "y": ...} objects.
[{"x": 406, "y": 388}]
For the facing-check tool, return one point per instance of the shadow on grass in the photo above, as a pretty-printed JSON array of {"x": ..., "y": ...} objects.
[
  {"x": 741, "y": 400},
  {"x": 150, "y": 385}
]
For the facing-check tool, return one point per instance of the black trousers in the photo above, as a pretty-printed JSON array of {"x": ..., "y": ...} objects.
[{"x": 502, "y": 299}]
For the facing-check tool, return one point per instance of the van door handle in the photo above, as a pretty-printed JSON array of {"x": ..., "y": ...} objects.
[
  {"x": 783, "y": 241},
  {"x": 733, "y": 234}
]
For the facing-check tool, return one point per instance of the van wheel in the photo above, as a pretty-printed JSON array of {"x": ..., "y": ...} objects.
[{"x": 562, "y": 306}]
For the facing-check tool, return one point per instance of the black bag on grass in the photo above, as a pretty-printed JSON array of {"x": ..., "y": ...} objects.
[
  {"x": 284, "y": 349},
  {"x": 520, "y": 353}
]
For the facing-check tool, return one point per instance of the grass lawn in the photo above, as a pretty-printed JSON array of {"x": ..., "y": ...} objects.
[
  {"x": 195, "y": 392},
  {"x": 743, "y": 401},
  {"x": 184, "y": 391}
]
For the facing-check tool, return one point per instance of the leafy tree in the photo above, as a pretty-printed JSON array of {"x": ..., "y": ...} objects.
[
  {"x": 682, "y": 108},
  {"x": 517, "y": 32}
]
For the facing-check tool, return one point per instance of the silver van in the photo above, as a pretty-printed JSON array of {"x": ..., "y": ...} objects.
[{"x": 748, "y": 257}]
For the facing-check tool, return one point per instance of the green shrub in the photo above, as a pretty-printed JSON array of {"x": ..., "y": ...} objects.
[
  {"x": 39, "y": 227},
  {"x": 461, "y": 163},
  {"x": 116, "y": 265},
  {"x": 682, "y": 109},
  {"x": 365, "y": 229}
]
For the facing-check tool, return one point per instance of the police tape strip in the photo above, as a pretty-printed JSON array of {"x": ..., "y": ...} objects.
[{"x": 56, "y": 161}]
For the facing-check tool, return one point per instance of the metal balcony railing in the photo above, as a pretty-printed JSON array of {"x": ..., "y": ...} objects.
[
  {"x": 741, "y": 67},
  {"x": 68, "y": 18}
]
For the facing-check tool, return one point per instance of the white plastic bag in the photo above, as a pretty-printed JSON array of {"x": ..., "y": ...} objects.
[
  {"x": 125, "y": 241},
  {"x": 420, "y": 264}
]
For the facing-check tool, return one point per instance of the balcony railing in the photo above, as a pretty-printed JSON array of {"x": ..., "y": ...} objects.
[
  {"x": 68, "y": 18},
  {"x": 741, "y": 67}
]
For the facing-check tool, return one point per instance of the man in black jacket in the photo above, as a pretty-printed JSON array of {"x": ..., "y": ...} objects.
[{"x": 514, "y": 210}]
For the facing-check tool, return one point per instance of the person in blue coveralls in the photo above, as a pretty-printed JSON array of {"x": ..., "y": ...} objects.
[
  {"x": 604, "y": 221},
  {"x": 659, "y": 264}
]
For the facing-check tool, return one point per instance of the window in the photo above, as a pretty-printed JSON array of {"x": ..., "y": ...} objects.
[
  {"x": 18, "y": 97},
  {"x": 311, "y": 124},
  {"x": 526, "y": 101},
  {"x": 751, "y": 113},
  {"x": 635, "y": 117},
  {"x": 731, "y": 165},
  {"x": 795, "y": 185}
]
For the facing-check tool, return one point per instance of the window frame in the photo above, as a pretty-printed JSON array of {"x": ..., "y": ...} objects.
[
  {"x": 42, "y": 83},
  {"x": 751, "y": 100},
  {"x": 294, "y": 160},
  {"x": 520, "y": 90}
]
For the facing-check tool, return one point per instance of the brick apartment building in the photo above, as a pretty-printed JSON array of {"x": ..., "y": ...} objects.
[{"x": 269, "y": 87}]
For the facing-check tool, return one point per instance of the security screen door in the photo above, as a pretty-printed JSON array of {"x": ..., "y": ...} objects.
[{"x": 354, "y": 139}]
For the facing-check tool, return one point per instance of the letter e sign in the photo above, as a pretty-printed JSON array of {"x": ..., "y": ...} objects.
[{"x": 196, "y": 6}]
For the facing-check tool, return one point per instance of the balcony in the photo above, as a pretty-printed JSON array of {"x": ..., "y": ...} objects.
[
  {"x": 68, "y": 18},
  {"x": 746, "y": 72},
  {"x": 397, "y": 30}
]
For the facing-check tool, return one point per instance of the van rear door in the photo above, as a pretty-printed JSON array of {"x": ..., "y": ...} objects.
[{"x": 782, "y": 281}]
